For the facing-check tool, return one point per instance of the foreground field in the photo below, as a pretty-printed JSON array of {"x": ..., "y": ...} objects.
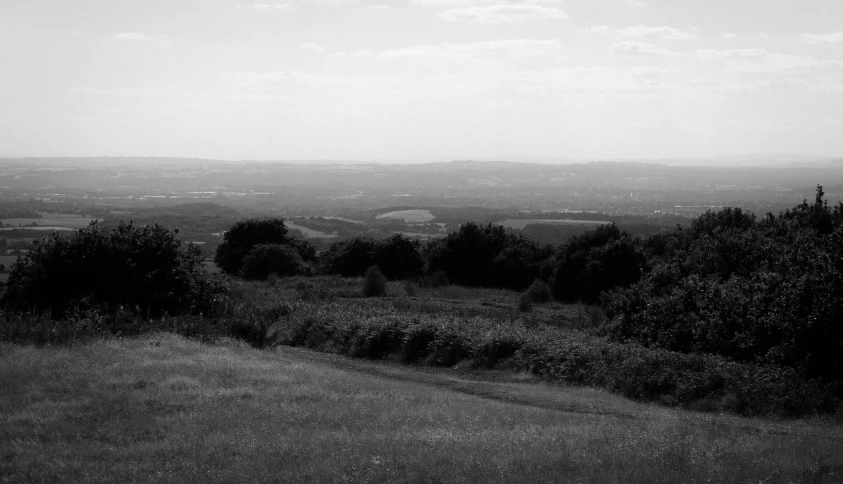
[{"x": 167, "y": 409}]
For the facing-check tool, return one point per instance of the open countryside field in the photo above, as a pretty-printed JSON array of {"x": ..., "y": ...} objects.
[
  {"x": 165, "y": 409},
  {"x": 520, "y": 223},
  {"x": 70, "y": 222},
  {"x": 313, "y": 234},
  {"x": 410, "y": 216},
  {"x": 40, "y": 228}
]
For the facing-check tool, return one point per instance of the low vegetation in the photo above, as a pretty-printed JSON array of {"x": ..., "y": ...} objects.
[
  {"x": 730, "y": 314},
  {"x": 374, "y": 283},
  {"x": 162, "y": 408}
]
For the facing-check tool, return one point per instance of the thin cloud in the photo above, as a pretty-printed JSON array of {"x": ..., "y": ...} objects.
[
  {"x": 750, "y": 61},
  {"x": 310, "y": 46},
  {"x": 664, "y": 32},
  {"x": 482, "y": 3},
  {"x": 497, "y": 53},
  {"x": 732, "y": 54},
  {"x": 640, "y": 31},
  {"x": 631, "y": 48},
  {"x": 133, "y": 36},
  {"x": 267, "y": 7},
  {"x": 835, "y": 39},
  {"x": 499, "y": 14},
  {"x": 139, "y": 37}
]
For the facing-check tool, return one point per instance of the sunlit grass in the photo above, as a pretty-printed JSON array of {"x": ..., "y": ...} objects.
[{"x": 167, "y": 409}]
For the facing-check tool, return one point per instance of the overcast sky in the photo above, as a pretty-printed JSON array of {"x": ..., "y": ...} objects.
[{"x": 420, "y": 79}]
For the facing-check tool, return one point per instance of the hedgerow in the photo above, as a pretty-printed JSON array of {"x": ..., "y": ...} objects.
[{"x": 702, "y": 382}]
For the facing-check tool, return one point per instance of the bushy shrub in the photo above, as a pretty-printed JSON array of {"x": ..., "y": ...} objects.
[
  {"x": 350, "y": 258},
  {"x": 487, "y": 256},
  {"x": 147, "y": 269},
  {"x": 245, "y": 235},
  {"x": 525, "y": 302},
  {"x": 596, "y": 261},
  {"x": 701, "y": 382},
  {"x": 398, "y": 257},
  {"x": 411, "y": 288},
  {"x": 374, "y": 283},
  {"x": 539, "y": 291},
  {"x": 768, "y": 291},
  {"x": 434, "y": 279},
  {"x": 266, "y": 259}
]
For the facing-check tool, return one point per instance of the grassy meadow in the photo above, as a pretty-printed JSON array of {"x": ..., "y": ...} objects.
[
  {"x": 162, "y": 408},
  {"x": 51, "y": 220}
]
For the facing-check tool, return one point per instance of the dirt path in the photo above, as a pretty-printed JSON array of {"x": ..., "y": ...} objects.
[
  {"x": 523, "y": 389},
  {"x": 507, "y": 387}
]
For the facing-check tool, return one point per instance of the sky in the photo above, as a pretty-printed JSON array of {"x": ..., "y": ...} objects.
[{"x": 421, "y": 79}]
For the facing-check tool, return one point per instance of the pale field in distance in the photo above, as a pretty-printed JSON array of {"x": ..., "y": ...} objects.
[
  {"x": 314, "y": 234},
  {"x": 53, "y": 220},
  {"x": 520, "y": 223},
  {"x": 410, "y": 216}
]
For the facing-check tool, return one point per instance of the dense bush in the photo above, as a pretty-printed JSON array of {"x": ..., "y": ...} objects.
[
  {"x": 595, "y": 261},
  {"x": 768, "y": 291},
  {"x": 350, "y": 258},
  {"x": 701, "y": 382},
  {"x": 398, "y": 257},
  {"x": 539, "y": 291},
  {"x": 488, "y": 256},
  {"x": 241, "y": 238},
  {"x": 266, "y": 259},
  {"x": 525, "y": 302},
  {"x": 374, "y": 283},
  {"x": 146, "y": 268}
]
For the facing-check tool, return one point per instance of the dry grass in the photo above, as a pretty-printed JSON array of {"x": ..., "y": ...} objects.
[{"x": 166, "y": 409}]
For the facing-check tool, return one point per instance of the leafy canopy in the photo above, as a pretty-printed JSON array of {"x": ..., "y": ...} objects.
[
  {"x": 146, "y": 268},
  {"x": 245, "y": 235}
]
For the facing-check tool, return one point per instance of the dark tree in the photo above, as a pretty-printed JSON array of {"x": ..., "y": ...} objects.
[
  {"x": 351, "y": 258},
  {"x": 399, "y": 257},
  {"x": 266, "y": 259},
  {"x": 487, "y": 256},
  {"x": 598, "y": 260},
  {"x": 241, "y": 238},
  {"x": 146, "y": 268}
]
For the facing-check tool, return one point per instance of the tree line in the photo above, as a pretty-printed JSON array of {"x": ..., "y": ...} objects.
[{"x": 758, "y": 290}]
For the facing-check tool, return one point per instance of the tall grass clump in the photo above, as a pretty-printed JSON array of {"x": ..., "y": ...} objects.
[
  {"x": 539, "y": 291},
  {"x": 374, "y": 283},
  {"x": 525, "y": 302}
]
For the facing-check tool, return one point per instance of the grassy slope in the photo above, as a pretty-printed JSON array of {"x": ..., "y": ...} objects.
[{"x": 162, "y": 408}]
